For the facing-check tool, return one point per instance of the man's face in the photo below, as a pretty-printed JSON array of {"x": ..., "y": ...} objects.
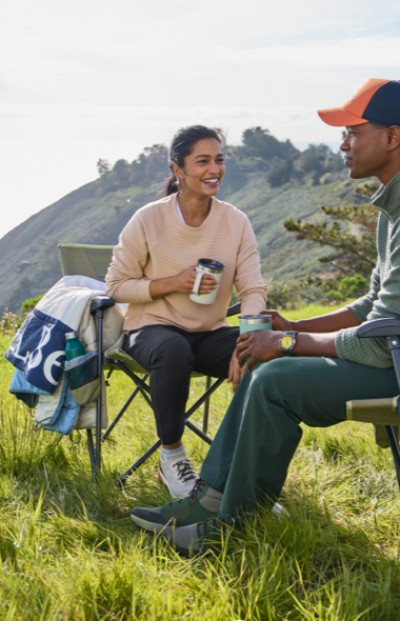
[{"x": 365, "y": 152}]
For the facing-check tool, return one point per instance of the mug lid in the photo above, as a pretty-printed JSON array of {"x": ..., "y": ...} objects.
[
  {"x": 256, "y": 318},
  {"x": 211, "y": 264}
]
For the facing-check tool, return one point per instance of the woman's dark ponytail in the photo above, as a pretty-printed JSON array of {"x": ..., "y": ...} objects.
[{"x": 171, "y": 185}]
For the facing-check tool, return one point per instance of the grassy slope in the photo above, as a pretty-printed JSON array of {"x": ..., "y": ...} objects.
[
  {"x": 29, "y": 262},
  {"x": 69, "y": 550}
]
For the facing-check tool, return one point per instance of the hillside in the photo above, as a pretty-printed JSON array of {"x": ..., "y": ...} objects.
[{"x": 96, "y": 212}]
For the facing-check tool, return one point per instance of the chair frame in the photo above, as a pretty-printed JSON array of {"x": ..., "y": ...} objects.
[
  {"x": 99, "y": 306},
  {"x": 92, "y": 260},
  {"x": 382, "y": 412}
]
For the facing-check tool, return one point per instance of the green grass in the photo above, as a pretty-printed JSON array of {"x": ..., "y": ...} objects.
[
  {"x": 311, "y": 310},
  {"x": 69, "y": 550}
]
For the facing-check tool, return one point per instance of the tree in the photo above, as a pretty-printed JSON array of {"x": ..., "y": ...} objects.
[
  {"x": 259, "y": 143},
  {"x": 279, "y": 172},
  {"x": 317, "y": 160},
  {"x": 351, "y": 235},
  {"x": 103, "y": 167},
  {"x": 122, "y": 171},
  {"x": 151, "y": 165}
]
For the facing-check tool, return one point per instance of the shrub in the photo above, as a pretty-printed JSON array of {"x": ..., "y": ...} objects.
[
  {"x": 29, "y": 304},
  {"x": 10, "y": 322}
]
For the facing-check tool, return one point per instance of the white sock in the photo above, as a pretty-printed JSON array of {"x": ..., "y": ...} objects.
[
  {"x": 167, "y": 453},
  {"x": 212, "y": 500}
]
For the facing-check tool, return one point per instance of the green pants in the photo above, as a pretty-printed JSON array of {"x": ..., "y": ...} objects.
[{"x": 250, "y": 455}]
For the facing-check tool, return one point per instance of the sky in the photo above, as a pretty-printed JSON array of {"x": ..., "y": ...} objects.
[{"x": 87, "y": 79}]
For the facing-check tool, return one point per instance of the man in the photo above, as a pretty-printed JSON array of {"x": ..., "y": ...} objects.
[{"x": 311, "y": 367}]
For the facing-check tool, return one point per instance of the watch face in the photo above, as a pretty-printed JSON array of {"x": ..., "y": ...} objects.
[{"x": 287, "y": 342}]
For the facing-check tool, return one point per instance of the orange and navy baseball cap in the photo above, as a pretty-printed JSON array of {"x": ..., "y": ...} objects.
[{"x": 377, "y": 101}]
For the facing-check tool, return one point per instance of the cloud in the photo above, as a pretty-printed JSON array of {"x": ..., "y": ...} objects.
[{"x": 83, "y": 80}]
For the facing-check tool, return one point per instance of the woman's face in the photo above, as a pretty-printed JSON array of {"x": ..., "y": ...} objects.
[{"x": 203, "y": 169}]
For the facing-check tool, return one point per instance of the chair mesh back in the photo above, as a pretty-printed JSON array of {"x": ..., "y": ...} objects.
[{"x": 85, "y": 259}]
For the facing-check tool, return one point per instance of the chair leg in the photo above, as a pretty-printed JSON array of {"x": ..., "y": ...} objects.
[
  {"x": 120, "y": 414},
  {"x": 198, "y": 432},
  {"x": 206, "y": 405},
  {"x": 122, "y": 479},
  {"x": 394, "y": 445},
  {"x": 95, "y": 447},
  {"x": 99, "y": 410},
  {"x": 206, "y": 395},
  {"x": 92, "y": 452}
]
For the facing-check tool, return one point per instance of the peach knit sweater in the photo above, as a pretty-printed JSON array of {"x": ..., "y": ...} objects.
[{"x": 156, "y": 243}]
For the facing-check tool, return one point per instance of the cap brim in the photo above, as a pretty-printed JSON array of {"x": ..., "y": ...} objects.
[{"x": 340, "y": 117}]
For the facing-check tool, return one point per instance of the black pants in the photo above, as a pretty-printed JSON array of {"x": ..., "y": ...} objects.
[{"x": 171, "y": 355}]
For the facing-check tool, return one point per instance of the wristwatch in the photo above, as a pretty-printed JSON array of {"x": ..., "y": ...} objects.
[{"x": 288, "y": 342}]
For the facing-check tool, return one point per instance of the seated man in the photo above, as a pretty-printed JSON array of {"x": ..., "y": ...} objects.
[{"x": 311, "y": 367}]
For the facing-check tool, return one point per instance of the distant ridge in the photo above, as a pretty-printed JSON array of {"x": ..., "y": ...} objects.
[{"x": 97, "y": 211}]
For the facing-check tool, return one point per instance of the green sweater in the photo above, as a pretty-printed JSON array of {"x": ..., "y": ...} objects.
[{"x": 383, "y": 298}]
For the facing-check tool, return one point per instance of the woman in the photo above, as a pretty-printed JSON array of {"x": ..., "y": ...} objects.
[{"x": 154, "y": 270}]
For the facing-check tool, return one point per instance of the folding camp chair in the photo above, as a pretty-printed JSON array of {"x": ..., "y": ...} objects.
[
  {"x": 85, "y": 259},
  {"x": 93, "y": 261},
  {"x": 383, "y": 413}
]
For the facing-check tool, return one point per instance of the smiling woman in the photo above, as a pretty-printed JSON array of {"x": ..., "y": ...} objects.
[
  {"x": 168, "y": 331},
  {"x": 198, "y": 166}
]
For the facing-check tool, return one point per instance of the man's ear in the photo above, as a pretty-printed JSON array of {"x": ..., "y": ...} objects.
[{"x": 393, "y": 137}]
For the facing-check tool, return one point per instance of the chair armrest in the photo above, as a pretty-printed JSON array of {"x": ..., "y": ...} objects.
[
  {"x": 100, "y": 303},
  {"x": 233, "y": 310},
  {"x": 388, "y": 326}
]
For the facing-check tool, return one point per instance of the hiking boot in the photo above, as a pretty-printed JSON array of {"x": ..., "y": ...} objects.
[
  {"x": 178, "y": 476},
  {"x": 200, "y": 537},
  {"x": 202, "y": 504}
]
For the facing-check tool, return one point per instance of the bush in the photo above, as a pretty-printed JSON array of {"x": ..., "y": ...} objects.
[
  {"x": 293, "y": 293},
  {"x": 10, "y": 322},
  {"x": 346, "y": 287},
  {"x": 30, "y": 304}
]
